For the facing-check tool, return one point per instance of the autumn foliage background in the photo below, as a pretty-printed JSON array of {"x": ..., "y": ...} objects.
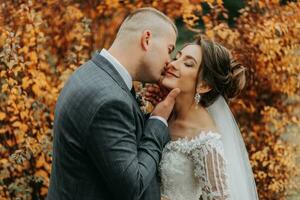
[{"x": 43, "y": 42}]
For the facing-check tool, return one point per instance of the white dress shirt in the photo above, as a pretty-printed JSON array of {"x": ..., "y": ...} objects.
[{"x": 125, "y": 76}]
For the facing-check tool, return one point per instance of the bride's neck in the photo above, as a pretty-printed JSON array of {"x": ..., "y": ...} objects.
[
  {"x": 187, "y": 112},
  {"x": 185, "y": 106}
]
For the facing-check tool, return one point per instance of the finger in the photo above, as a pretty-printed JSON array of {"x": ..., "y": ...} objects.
[{"x": 172, "y": 95}]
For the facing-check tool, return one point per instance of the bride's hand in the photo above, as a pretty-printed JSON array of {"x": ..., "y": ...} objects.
[{"x": 155, "y": 93}]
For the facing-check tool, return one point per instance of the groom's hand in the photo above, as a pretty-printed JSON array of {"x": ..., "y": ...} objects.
[
  {"x": 154, "y": 93},
  {"x": 165, "y": 107}
]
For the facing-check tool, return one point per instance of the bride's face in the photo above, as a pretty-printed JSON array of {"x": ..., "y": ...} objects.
[{"x": 182, "y": 72}]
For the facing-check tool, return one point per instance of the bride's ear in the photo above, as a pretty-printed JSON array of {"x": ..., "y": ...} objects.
[
  {"x": 146, "y": 39},
  {"x": 203, "y": 88}
]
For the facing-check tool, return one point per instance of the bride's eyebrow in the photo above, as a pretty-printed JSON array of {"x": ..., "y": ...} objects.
[
  {"x": 179, "y": 53},
  {"x": 191, "y": 57}
]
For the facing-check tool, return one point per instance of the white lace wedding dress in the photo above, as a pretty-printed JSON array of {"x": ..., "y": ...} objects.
[{"x": 193, "y": 169}]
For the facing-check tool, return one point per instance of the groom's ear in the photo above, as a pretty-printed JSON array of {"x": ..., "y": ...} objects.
[
  {"x": 203, "y": 88},
  {"x": 146, "y": 39}
]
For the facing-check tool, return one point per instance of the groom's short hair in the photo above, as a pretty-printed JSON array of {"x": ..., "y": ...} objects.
[{"x": 145, "y": 18}]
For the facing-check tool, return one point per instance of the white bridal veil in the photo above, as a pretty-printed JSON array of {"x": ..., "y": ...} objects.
[{"x": 240, "y": 176}]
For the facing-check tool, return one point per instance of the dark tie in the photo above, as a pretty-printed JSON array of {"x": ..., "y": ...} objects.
[{"x": 133, "y": 92}]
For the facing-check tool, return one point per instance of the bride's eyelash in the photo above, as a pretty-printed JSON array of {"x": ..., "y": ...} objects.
[{"x": 188, "y": 65}]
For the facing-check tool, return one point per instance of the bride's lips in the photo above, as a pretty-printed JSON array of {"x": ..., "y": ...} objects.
[{"x": 172, "y": 74}]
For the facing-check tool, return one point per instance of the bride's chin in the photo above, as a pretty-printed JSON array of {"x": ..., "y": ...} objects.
[{"x": 167, "y": 85}]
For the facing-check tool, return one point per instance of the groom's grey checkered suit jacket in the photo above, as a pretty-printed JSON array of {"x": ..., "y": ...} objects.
[{"x": 103, "y": 148}]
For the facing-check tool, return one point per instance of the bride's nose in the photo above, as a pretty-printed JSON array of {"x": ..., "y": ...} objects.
[{"x": 171, "y": 65}]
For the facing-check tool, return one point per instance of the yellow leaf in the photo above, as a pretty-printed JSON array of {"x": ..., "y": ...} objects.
[
  {"x": 33, "y": 56},
  {"x": 16, "y": 124},
  {"x": 2, "y": 115},
  {"x": 23, "y": 127},
  {"x": 24, "y": 114},
  {"x": 26, "y": 82},
  {"x": 24, "y": 50},
  {"x": 36, "y": 89},
  {"x": 3, "y": 73}
]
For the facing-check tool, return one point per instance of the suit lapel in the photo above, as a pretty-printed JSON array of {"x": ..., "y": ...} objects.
[{"x": 104, "y": 64}]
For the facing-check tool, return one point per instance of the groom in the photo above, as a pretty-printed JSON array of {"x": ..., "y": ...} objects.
[{"x": 103, "y": 147}]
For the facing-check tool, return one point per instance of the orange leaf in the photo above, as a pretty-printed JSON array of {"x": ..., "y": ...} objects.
[
  {"x": 2, "y": 115},
  {"x": 33, "y": 56}
]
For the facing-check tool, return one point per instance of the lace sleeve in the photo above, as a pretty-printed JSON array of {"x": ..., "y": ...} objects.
[{"x": 210, "y": 167}]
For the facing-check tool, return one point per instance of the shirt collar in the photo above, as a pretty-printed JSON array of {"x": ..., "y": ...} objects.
[{"x": 119, "y": 67}]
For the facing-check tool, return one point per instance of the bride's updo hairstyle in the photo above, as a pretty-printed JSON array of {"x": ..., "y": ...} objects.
[{"x": 220, "y": 71}]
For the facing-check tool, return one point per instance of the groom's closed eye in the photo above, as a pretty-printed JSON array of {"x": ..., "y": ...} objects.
[{"x": 171, "y": 49}]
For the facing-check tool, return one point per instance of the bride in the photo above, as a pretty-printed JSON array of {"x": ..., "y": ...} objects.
[{"x": 206, "y": 157}]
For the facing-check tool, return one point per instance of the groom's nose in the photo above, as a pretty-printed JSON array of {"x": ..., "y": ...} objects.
[
  {"x": 167, "y": 63},
  {"x": 169, "y": 59}
]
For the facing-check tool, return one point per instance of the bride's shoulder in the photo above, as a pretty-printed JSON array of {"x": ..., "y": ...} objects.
[
  {"x": 202, "y": 135},
  {"x": 187, "y": 144}
]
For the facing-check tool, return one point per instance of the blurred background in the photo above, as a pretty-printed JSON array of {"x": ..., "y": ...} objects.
[{"x": 43, "y": 41}]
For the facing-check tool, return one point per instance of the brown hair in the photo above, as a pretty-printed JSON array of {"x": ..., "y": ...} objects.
[{"x": 220, "y": 71}]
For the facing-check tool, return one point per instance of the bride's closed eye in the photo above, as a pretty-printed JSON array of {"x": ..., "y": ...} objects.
[
  {"x": 187, "y": 60},
  {"x": 189, "y": 64}
]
